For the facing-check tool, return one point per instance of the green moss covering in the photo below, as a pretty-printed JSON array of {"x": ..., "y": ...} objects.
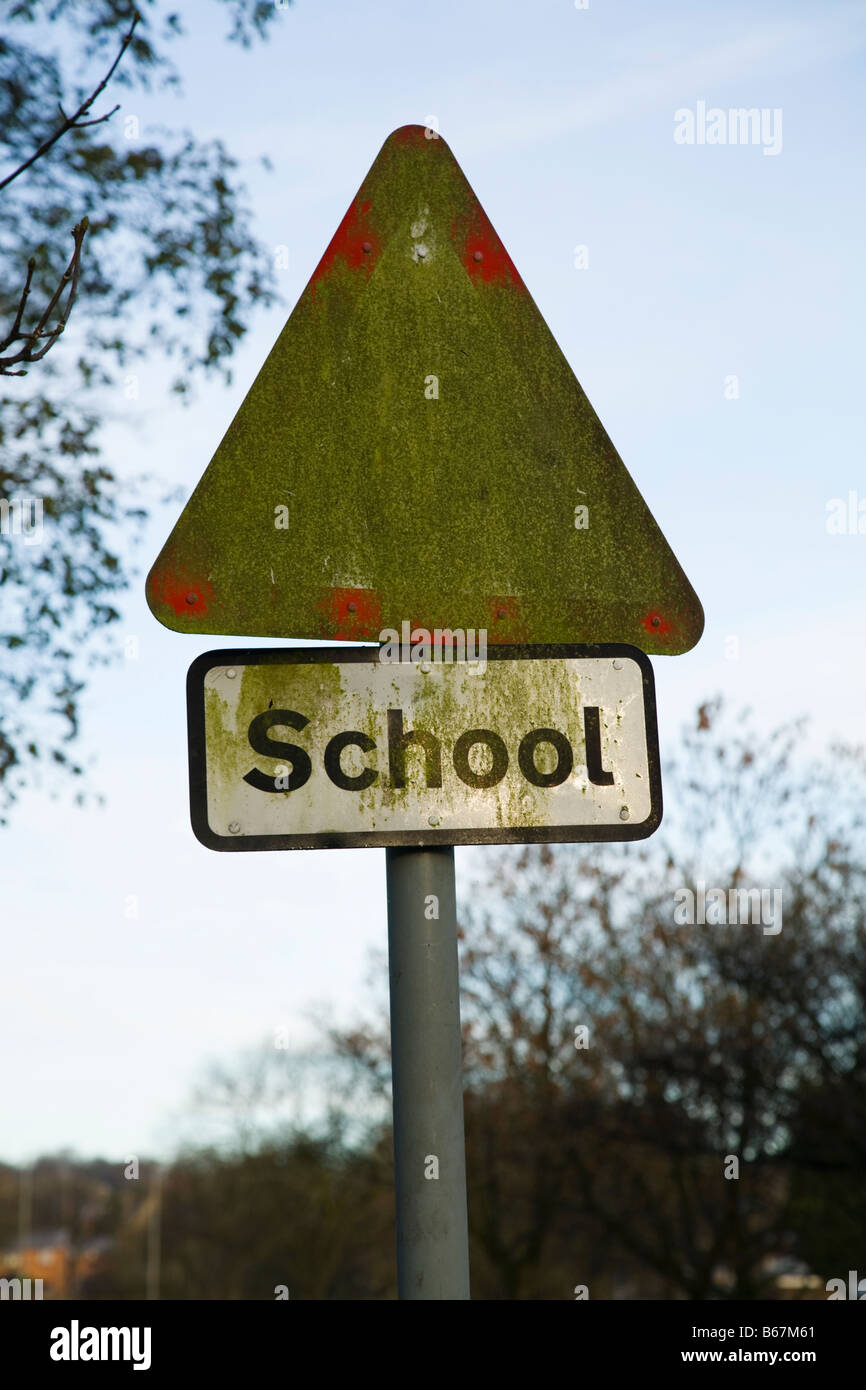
[{"x": 448, "y": 512}]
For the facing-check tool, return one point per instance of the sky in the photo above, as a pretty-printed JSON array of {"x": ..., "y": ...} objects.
[{"x": 716, "y": 327}]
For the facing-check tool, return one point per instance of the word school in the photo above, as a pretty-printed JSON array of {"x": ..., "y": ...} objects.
[{"x": 400, "y": 740}]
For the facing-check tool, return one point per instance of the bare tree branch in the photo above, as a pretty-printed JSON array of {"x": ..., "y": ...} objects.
[
  {"x": 36, "y": 343},
  {"x": 75, "y": 121}
]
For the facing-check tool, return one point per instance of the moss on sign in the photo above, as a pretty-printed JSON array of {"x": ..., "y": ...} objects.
[{"x": 416, "y": 447}]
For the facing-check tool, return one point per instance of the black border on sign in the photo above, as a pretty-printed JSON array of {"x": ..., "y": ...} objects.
[{"x": 548, "y": 834}]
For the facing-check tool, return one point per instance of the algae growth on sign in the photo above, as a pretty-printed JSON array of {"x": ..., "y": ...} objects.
[
  {"x": 416, "y": 448},
  {"x": 294, "y": 749}
]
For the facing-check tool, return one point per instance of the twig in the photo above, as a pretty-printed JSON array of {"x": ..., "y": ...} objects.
[
  {"x": 75, "y": 121},
  {"x": 35, "y": 344}
]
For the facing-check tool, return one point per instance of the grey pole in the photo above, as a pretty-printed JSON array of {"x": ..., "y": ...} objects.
[{"x": 427, "y": 1072}]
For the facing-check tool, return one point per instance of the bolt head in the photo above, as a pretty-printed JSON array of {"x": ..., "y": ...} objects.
[
  {"x": 352, "y": 607},
  {"x": 192, "y": 598},
  {"x": 433, "y": 818},
  {"x": 656, "y": 620},
  {"x": 234, "y": 828},
  {"x": 231, "y": 673},
  {"x": 367, "y": 247},
  {"x": 617, "y": 665},
  {"x": 478, "y": 255},
  {"x": 623, "y": 815}
]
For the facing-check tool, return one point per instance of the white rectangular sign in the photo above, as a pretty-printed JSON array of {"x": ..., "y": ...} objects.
[{"x": 311, "y": 748}]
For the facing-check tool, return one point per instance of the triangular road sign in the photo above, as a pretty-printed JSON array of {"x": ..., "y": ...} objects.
[{"x": 416, "y": 448}]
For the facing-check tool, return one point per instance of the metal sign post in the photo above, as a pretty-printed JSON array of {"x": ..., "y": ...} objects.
[
  {"x": 427, "y": 1072},
  {"x": 312, "y": 748},
  {"x": 416, "y": 463}
]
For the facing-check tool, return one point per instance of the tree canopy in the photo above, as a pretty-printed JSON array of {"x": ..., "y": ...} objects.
[{"x": 149, "y": 231}]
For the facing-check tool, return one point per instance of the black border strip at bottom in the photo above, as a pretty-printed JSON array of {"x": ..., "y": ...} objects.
[{"x": 230, "y": 1338}]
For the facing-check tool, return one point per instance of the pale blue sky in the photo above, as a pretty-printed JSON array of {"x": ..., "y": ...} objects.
[{"x": 704, "y": 262}]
